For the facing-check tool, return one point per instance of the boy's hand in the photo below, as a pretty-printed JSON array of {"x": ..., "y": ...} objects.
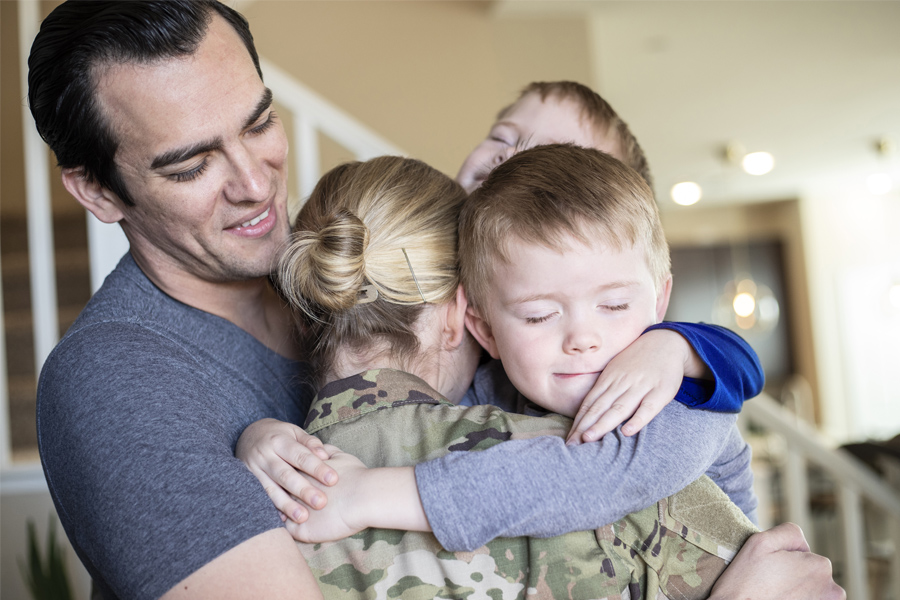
[
  {"x": 637, "y": 383},
  {"x": 342, "y": 516},
  {"x": 384, "y": 497},
  {"x": 277, "y": 453}
]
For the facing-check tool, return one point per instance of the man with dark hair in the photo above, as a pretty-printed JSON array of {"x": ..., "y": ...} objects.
[{"x": 161, "y": 122}]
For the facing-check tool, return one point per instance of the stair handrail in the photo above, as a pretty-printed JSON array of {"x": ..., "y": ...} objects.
[{"x": 853, "y": 478}]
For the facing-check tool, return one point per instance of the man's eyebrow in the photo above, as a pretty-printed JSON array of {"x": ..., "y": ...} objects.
[
  {"x": 173, "y": 157},
  {"x": 262, "y": 106}
]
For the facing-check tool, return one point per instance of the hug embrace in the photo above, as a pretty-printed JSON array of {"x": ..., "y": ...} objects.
[{"x": 535, "y": 303}]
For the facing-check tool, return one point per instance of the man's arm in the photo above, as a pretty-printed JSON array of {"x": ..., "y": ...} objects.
[{"x": 268, "y": 565}]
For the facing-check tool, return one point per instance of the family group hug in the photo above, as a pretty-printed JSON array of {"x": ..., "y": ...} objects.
[{"x": 419, "y": 388}]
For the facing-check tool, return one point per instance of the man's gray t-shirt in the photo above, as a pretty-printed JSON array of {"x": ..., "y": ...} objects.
[{"x": 139, "y": 410}]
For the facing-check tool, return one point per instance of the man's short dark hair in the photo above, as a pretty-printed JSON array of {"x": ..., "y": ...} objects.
[{"x": 77, "y": 37}]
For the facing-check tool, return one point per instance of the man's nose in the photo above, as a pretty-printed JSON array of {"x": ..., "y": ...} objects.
[{"x": 249, "y": 180}]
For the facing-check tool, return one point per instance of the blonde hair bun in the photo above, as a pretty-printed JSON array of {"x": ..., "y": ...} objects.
[{"x": 326, "y": 267}]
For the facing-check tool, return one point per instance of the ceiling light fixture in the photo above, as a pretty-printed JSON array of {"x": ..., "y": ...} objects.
[
  {"x": 686, "y": 193},
  {"x": 758, "y": 163}
]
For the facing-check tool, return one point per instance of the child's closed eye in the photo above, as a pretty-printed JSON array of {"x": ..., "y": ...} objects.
[
  {"x": 616, "y": 307},
  {"x": 540, "y": 319}
]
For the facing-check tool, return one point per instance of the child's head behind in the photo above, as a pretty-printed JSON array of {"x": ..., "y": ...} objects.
[
  {"x": 550, "y": 113},
  {"x": 565, "y": 264}
]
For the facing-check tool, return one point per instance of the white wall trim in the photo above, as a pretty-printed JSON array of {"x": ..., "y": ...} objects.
[{"x": 23, "y": 479}]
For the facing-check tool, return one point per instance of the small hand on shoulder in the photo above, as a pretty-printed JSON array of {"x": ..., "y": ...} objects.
[
  {"x": 278, "y": 454},
  {"x": 636, "y": 385}
]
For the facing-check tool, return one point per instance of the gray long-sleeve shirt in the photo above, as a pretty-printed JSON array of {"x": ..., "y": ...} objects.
[{"x": 543, "y": 488}]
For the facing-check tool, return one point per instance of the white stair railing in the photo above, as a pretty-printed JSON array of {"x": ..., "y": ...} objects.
[{"x": 854, "y": 480}]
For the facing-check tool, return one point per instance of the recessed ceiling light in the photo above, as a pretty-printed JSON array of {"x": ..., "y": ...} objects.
[
  {"x": 879, "y": 183},
  {"x": 758, "y": 163},
  {"x": 686, "y": 193}
]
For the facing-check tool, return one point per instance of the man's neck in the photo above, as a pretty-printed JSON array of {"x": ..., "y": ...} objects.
[{"x": 252, "y": 304}]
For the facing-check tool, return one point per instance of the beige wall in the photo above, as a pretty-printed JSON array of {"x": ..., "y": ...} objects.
[{"x": 428, "y": 76}]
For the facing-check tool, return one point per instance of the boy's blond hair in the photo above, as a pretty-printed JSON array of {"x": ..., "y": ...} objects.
[
  {"x": 600, "y": 114},
  {"x": 541, "y": 196},
  {"x": 389, "y": 223}
]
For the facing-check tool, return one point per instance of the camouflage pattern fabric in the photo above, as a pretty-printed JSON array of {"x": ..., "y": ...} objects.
[{"x": 676, "y": 548}]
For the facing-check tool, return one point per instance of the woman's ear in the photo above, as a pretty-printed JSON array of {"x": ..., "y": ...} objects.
[
  {"x": 481, "y": 331},
  {"x": 662, "y": 299},
  {"x": 455, "y": 319},
  {"x": 101, "y": 202}
]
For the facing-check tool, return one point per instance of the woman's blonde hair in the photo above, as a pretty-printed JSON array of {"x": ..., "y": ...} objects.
[{"x": 375, "y": 241}]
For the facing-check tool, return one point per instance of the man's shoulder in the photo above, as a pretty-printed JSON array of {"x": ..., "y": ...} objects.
[{"x": 128, "y": 298}]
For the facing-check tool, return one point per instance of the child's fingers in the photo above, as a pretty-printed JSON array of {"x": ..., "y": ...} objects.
[
  {"x": 316, "y": 446},
  {"x": 294, "y": 483},
  {"x": 590, "y": 414},
  {"x": 620, "y": 410},
  {"x": 308, "y": 461},
  {"x": 288, "y": 507},
  {"x": 650, "y": 406}
]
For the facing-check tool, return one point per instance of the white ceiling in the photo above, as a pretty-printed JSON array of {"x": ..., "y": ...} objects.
[{"x": 814, "y": 83}]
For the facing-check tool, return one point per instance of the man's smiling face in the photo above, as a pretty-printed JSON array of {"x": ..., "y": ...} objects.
[{"x": 203, "y": 156}]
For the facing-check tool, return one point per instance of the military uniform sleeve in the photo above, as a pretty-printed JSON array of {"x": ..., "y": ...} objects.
[
  {"x": 541, "y": 487},
  {"x": 737, "y": 372},
  {"x": 680, "y": 546},
  {"x": 138, "y": 455}
]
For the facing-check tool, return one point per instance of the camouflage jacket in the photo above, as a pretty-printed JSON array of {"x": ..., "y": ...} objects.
[{"x": 673, "y": 549}]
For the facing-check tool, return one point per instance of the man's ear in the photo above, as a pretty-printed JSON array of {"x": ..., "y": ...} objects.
[
  {"x": 101, "y": 202},
  {"x": 481, "y": 331},
  {"x": 662, "y": 299}
]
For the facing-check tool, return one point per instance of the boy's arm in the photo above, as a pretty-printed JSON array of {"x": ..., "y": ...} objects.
[
  {"x": 735, "y": 368},
  {"x": 543, "y": 488},
  {"x": 700, "y": 365}
]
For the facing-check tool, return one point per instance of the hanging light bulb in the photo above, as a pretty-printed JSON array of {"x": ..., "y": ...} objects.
[{"x": 746, "y": 305}]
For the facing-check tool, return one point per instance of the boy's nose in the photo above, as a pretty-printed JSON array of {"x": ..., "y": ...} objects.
[
  {"x": 582, "y": 340},
  {"x": 503, "y": 156}
]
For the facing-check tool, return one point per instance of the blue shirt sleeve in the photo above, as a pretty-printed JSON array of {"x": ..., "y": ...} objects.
[{"x": 737, "y": 372}]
